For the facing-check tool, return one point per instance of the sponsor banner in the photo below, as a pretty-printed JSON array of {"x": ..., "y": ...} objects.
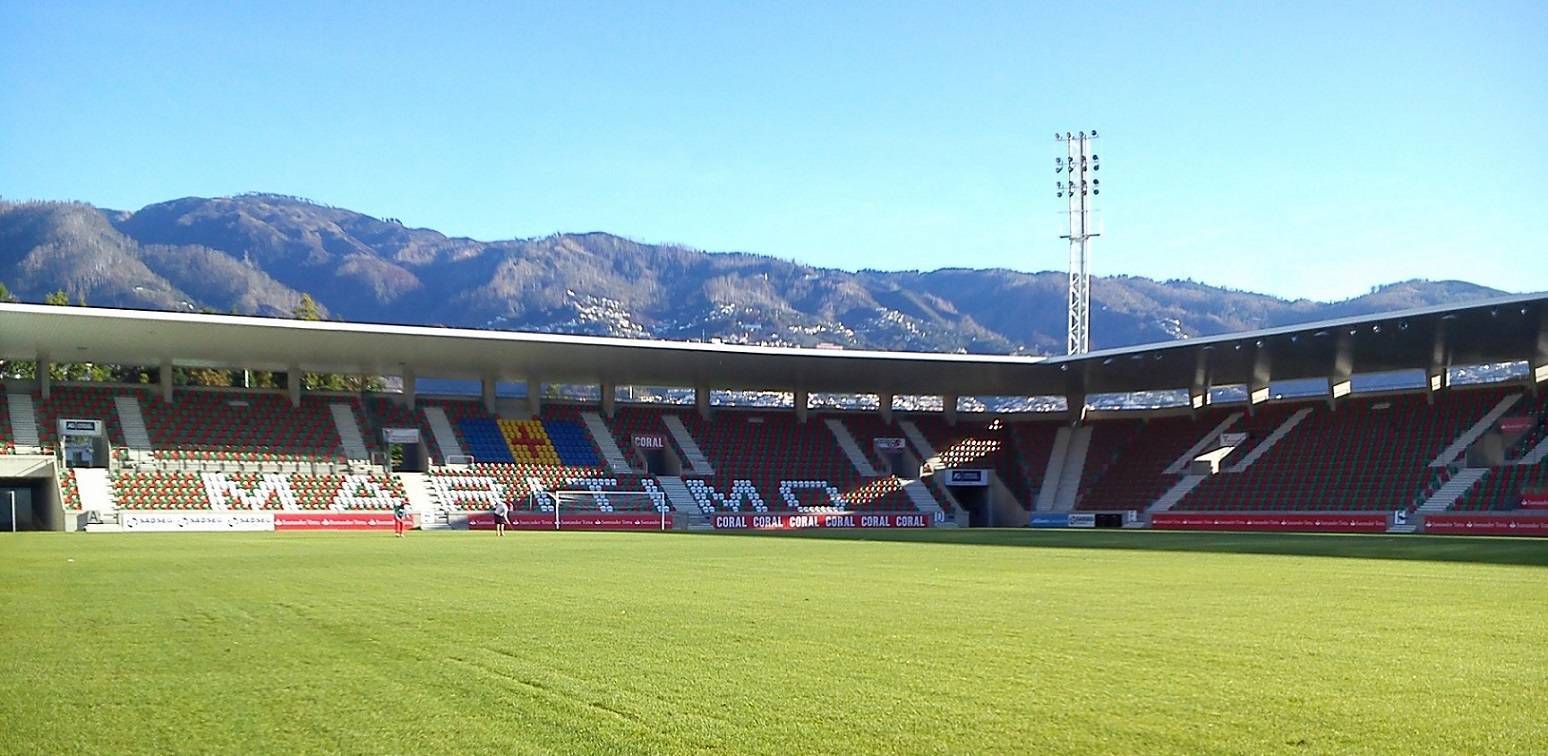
[
  {"x": 956, "y": 477},
  {"x": 1060, "y": 520},
  {"x": 176, "y": 522},
  {"x": 889, "y": 444},
  {"x": 401, "y": 435},
  {"x": 575, "y": 521},
  {"x": 69, "y": 427},
  {"x": 649, "y": 441},
  {"x": 1334, "y": 522},
  {"x": 1534, "y": 500},
  {"x": 1233, "y": 439},
  {"x": 1082, "y": 520},
  {"x": 798, "y": 521},
  {"x": 335, "y": 521},
  {"x": 1516, "y": 424},
  {"x": 1506, "y": 525}
]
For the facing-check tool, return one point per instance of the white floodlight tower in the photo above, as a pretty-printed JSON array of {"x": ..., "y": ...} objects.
[{"x": 1079, "y": 191}]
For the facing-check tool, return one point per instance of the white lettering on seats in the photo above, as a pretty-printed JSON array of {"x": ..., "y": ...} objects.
[
  {"x": 787, "y": 489},
  {"x": 741, "y": 490},
  {"x": 225, "y": 493},
  {"x": 455, "y": 491},
  {"x": 362, "y": 492}
]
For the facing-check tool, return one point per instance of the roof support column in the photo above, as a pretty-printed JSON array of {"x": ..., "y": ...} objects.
[
  {"x": 609, "y": 392},
  {"x": 701, "y": 399},
  {"x": 1075, "y": 404},
  {"x": 1339, "y": 385},
  {"x": 43, "y": 376},
  {"x": 1258, "y": 385},
  {"x": 1437, "y": 376},
  {"x": 293, "y": 384},
  {"x": 164, "y": 374},
  {"x": 410, "y": 387},
  {"x": 487, "y": 391},
  {"x": 1198, "y": 392},
  {"x": 885, "y": 406},
  {"x": 949, "y": 408},
  {"x": 803, "y": 402},
  {"x": 1537, "y": 365},
  {"x": 534, "y": 397}
]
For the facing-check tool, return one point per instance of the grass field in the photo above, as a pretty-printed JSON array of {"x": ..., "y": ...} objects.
[{"x": 964, "y": 642}]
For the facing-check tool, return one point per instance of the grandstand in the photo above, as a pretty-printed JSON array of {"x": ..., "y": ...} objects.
[{"x": 1417, "y": 447}]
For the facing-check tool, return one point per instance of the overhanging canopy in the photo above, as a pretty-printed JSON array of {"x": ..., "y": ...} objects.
[{"x": 1498, "y": 330}]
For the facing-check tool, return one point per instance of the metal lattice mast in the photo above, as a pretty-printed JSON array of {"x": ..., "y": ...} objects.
[{"x": 1079, "y": 192}]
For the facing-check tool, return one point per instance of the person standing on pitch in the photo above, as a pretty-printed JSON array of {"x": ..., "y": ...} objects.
[
  {"x": 399, "y": 518},
  {"x": 502, "y": 513}
]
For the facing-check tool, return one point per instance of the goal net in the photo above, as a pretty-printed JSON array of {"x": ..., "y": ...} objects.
[{"x": 597, "y": 501}]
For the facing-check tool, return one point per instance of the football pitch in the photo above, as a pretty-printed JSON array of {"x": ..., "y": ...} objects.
[{"x": 949, "y": 641}]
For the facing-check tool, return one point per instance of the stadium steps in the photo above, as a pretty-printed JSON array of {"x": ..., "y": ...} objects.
[
  {"x": 349, "y": 432},
  {"x": 420, "y": 495},
  {"x": 24, "y": 422},
  {"x": 1452, "y": 490},
  {"x": 1269, "y": 442},
  {"x": 1180, "y": 466},
  {"x": 698, "y": 464},
  {"x": 95, "y": 490},
  {"x": 1459, "y": 445},
  {"x": 1534, "y": 457},
  {"x": 133, "y": 422},
  {"x": 1180, "y": 489},
  {"x": 681, "y": 499},
  {"x": 929, "y": 460},
  {"x": 445, "y": 435},
  {"x": 923, "y": 500},
  {"x": 1050, "y": 488},
  {"x": 606, "y": 443},
  {"x": 846, "y": 442},
  {"x": 1074, "y": 469}
]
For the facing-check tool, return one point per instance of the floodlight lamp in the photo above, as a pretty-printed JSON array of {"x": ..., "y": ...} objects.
[
  {"x": 1082, "y": 135},
  {"x": 1093, "y": 134}
]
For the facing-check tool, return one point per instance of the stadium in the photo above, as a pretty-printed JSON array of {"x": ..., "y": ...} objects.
[{"x": 951, "y": 576}]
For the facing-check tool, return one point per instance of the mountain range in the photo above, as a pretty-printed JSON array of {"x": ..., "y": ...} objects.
[{"x": 258, "y": 253}]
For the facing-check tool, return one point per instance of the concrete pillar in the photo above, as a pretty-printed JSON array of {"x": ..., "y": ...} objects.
[
  {"x": 165, "y": 374},
  {"x": 534, "y": 397},
  {"x": 1075, "y": 403},
  {"x": 488, "y": 390},
  {"x": 1436, "y": 377},
  {"x": 293, "y": 383},
  {"x": 1198, "y": 392},
  {"x": 949, "y": 408},
  {"x": 701, "y": 399},
  {"x": 1339, "y": 385},
  {"x": 885, "y": 406},
  {"x": 44, "y": 380},
  {"x": 803, "y": 402},
  {"x": 609, "y": 399},
  {"x": 1258, "y": 384},
  {"x": 410, "y": 388}
]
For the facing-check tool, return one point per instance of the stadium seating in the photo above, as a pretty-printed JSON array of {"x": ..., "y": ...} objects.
[
  {"x": 7, "y": 438},
  {"x": 243, "y": 427},
  {"x": 1133, "y": 475},
  {"x": 85, "y": 403},
  {"x": 784, "y": 460},
  {"x": 162, "y": 490},
  {"x": 980, "y": 444},
  {"x": 1372, "y": 453},
  {"x": 1033, "y": 445}
]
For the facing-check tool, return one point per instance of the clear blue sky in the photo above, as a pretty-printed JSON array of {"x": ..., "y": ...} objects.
[{"x": 1303, "y": 149}]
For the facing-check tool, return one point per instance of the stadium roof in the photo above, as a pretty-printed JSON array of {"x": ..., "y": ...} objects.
[{"x": 1496, "y": 330}]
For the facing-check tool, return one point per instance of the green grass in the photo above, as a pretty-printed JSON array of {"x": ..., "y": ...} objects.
[{"x": 964, "y": 642}]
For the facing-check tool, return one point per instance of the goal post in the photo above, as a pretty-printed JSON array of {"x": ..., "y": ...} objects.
[{"x": 587, "y": 501}]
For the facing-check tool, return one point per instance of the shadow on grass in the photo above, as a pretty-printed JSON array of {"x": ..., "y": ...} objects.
[{"x": 1479, "y": 550}]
